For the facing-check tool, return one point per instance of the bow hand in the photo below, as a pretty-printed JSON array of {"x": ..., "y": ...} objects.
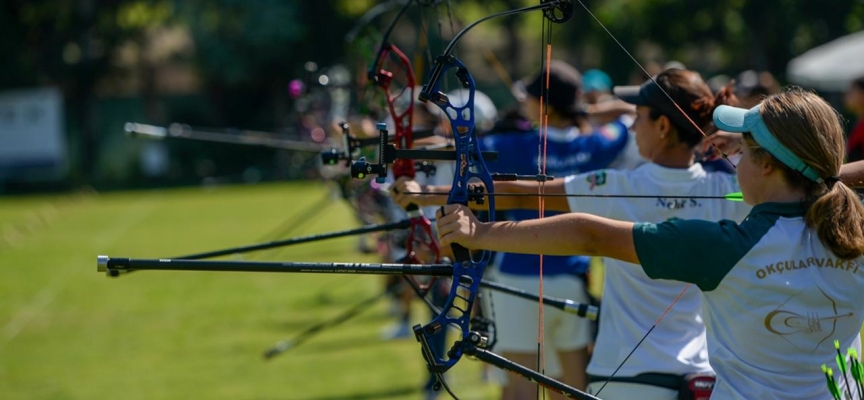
[{"x": 458, "y": 225}]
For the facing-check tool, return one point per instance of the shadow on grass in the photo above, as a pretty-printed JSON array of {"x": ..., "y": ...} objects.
[
  {"x": 299, "y": 324},
  {"x": 381, "y": 394},
  {"x": 317, "y": 347}
]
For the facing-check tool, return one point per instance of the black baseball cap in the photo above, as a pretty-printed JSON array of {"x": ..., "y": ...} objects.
[
  {"x": 565, "y": 83},
  {"x": 650, "y": 94}
]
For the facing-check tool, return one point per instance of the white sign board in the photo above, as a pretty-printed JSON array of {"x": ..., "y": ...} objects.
[{"x": 32, "y": 138}]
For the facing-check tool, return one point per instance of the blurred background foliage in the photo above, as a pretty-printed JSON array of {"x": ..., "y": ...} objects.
[{"x": 227, "y": 63}]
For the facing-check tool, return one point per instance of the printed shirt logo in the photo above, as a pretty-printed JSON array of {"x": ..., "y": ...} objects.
[
  {"x": 806, "y": 328},
  {"x": 596, "y": 179},
  {"x": 611, "y": 131}
]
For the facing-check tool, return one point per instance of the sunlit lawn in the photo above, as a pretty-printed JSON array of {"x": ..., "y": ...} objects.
[{"x": 68, "y": 332}]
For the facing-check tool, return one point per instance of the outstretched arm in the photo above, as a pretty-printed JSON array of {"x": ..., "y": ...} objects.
[
  {"x": 566, "y": 234},
  {"x": 608, "y": 111},
  {"x": 527, "y": 202}
]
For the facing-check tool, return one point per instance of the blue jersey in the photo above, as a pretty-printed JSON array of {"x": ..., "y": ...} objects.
[{"x": 568, "y": 152}]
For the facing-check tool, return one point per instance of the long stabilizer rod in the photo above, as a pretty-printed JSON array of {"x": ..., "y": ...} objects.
[
  {"x": 116, "y": 265},
  {"x": 233, "y": 136},
  {"x": 108, "y": 264},
  {"x": 113, "y": 266}
]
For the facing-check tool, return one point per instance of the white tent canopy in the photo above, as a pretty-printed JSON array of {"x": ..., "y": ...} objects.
[{"x": 830, "y": 67}]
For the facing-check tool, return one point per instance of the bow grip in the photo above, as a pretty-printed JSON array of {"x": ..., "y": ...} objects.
[{"x": 461, "y": 253}]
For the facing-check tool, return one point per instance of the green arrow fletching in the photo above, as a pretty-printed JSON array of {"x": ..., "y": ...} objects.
[{"x": 737, "y": 196}]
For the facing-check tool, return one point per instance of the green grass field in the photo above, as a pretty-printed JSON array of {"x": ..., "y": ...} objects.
[{"x": 68, "y": 332}]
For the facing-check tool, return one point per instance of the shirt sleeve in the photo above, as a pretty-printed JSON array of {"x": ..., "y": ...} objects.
[{"x": 694, "y": 251}]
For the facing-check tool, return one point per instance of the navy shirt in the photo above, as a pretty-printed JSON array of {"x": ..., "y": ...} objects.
[{"x": 568, "y": 152}]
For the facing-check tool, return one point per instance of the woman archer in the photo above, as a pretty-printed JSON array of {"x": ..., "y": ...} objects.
[
  {"x": 632, "y": 301},
  {"x": 777, "y": 288}
]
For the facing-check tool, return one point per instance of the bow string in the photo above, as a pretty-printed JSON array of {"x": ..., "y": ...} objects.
[{"x": 471, "y": 167}]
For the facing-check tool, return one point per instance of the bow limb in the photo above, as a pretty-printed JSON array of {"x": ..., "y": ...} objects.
[
  {"x": 471, "y": 166},
  {"x": 420, "y": 230},
  {"x": 467, "y": 272}
]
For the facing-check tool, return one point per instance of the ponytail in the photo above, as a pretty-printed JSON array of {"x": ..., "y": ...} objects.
[{"x": 837, "y": 216}]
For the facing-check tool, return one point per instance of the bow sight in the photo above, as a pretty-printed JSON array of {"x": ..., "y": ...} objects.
[
  {"x": 389, "y": 153},
  {"x": 351, "y": 146}
]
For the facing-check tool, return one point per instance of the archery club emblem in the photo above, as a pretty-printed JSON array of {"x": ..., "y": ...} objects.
[{"x": 803, "y": 327}]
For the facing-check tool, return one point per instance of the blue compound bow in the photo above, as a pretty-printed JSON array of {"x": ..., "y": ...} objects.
[{"x": 471, "y": 167}]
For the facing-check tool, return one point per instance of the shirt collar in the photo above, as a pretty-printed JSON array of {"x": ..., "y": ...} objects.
[{"x": 794, "y": 209}]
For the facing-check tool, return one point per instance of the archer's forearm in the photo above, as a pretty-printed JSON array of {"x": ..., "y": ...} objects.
[
  {"x": 525, "y": 202},
  {"x": 609, "y": 111},
  {"x": 528, "y": 202},
  {"x": 565, "y": 234}
]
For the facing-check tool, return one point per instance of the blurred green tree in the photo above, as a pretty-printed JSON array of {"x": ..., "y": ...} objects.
[
  {"x": 244, "y": 52},
  {"x": 712, "y": 36},
  {"x": 70, "y": 44}
]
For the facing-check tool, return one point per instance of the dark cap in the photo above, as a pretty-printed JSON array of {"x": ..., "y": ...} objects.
[
  {"x": 565, "y": 83},
  {"x": 651, "y": 95}
]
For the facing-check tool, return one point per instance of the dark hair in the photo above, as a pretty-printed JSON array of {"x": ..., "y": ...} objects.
[
  {"x": 859, "y": 83},
  {"x": 564, "y": 92},
  {"x": 694, "y": 97}
]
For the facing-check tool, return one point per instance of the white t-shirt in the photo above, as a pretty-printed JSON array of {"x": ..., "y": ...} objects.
[
  {"x": 774, "y": 298},
  {"x": 632, "y": 301}
]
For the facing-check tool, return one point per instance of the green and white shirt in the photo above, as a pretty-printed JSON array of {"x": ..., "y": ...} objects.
[
  {"x": 632, "y": 301},
  {"x": 774, "y": 297}
]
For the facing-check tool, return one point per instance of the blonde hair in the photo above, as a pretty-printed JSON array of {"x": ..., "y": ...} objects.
[{"x": 809, "y": 127}]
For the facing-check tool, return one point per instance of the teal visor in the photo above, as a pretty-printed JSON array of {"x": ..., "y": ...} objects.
[{"x": 734, "y": 119}]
